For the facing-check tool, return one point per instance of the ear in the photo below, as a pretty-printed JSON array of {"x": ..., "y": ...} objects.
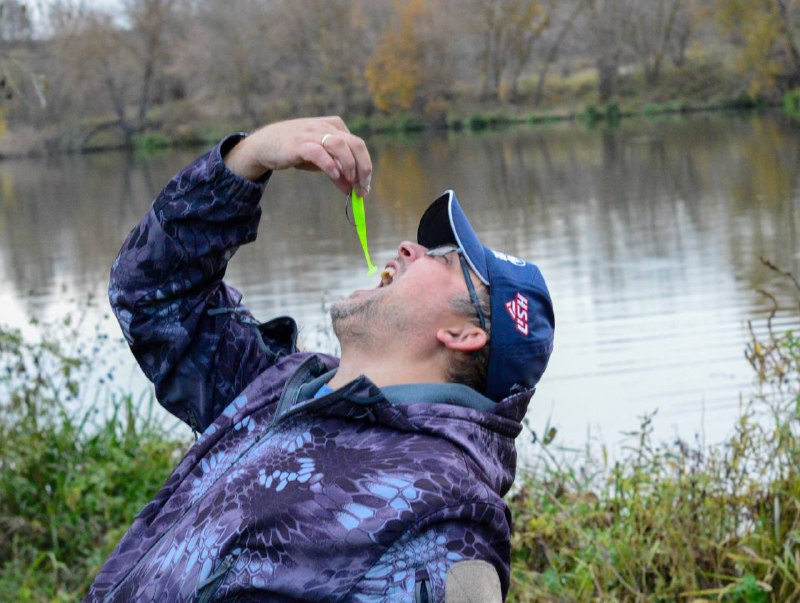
[{"x": 464, "y": 338}]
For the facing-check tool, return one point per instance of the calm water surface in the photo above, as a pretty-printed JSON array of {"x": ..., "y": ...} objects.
[{"x": 649, "y": 235}]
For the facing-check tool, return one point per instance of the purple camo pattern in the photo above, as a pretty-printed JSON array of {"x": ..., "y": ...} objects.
[{"x": 342, "y": 498}]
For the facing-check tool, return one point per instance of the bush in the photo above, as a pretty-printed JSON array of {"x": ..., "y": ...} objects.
[
  {"x": 150, "y": 142},
  {"x": 791, "y": 103},
  {"x": 455, "y": 122},
  {"x": 411, "y": 123},
  {"x": 744, "y": 102},
  {"x": 72, "y": 474},
  {"x": 612, "y": 112},
  {"x": 536, "y": 118},
  {"x": 477, "y": 122},
  {"x": 590, "y": 115},
  {"x": 360, "y": 125},
  {"x": 652, "y": 110},
  {"x": 484, "y": 121}
]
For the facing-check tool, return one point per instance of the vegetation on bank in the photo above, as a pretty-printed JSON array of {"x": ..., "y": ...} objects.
[
  {"x": 663, "y": 522},
  {"x": 584, "y": 108},
  {"x": 78, "y": 460},
  {"x": 148, "y": 73},
  {"x": 674, "y": 522}
]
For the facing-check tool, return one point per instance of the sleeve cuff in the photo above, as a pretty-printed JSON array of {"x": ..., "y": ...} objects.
[{"x": 218, "y": 170}]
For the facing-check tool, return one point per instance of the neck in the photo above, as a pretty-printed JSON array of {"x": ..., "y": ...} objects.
[{"x": 388, "y": 367}]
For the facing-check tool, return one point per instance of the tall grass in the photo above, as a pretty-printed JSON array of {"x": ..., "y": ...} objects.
[
  {"x": 77, "y": 461},
  {"x": 679, "y": 521},
  {"x": 664, "y": 522}
]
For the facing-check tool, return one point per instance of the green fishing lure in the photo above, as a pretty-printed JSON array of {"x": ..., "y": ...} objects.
[{"x": 360, "y": 220}]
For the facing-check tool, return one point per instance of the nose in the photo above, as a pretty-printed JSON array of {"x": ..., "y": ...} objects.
[{"x": 410, "y": 251}]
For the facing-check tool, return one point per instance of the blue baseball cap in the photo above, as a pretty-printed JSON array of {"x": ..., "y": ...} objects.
[{"x": 523, "y": 322}]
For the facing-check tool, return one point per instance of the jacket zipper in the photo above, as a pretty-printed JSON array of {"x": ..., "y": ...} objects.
[
  {"x": 193, "y": 423},
  {"x": 422, "y": 589},
  {"x": 209, "y": 587}
]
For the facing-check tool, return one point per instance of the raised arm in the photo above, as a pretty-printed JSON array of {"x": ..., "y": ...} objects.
[{"x": 188, "y": 330}]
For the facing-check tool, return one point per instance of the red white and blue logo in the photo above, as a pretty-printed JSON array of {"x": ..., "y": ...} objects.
[{"x": 518, "y": 309}]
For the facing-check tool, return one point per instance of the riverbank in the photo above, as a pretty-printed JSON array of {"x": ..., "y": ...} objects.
[
  {"x": 38, "y": 144},
  {"x": 661, "y": 522},
  {"x": 701, "y": 86}
]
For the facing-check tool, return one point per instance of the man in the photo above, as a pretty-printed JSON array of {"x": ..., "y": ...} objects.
[{"x": 376, "y": 477}]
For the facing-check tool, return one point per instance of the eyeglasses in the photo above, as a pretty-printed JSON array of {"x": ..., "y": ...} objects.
[{"x": 440, "y": 252}]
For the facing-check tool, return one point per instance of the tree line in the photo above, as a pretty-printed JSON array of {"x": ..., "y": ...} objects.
[{"x": 77, "y": 71}]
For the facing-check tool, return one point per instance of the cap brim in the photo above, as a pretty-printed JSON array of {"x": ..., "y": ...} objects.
[{"x": 445, "y": 223}]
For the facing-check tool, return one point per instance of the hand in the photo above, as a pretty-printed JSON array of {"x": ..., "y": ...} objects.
[{"x": 298, "y": 143}]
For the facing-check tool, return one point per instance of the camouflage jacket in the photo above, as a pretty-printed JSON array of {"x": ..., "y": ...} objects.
[{"x": 362, "y": 494}]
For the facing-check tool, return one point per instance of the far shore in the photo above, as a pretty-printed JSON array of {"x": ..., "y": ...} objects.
[{"x": 31, "y": 144}]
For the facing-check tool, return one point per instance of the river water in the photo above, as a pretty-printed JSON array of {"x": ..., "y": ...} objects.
[{"x": 649, "y": 235}]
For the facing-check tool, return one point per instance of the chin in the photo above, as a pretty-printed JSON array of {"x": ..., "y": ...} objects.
[
  {"x": 360, "y": 304},
  {"x": 348, "y": 306}
]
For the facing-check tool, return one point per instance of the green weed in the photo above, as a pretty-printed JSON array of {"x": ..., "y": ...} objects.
[
  {"x": 791, "y": 103},
  {"x": 78, "y": 461},
  {"x": 679, "y": 521},
  {"x": 150, "y": 143},
  {"x": 483, "y": 121}
]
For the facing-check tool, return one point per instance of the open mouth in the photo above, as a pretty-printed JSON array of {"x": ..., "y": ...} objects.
[{"x": 387, "y": 276}]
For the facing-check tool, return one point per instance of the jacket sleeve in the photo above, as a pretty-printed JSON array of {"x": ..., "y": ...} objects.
[
  {"x": 454, "y": 560},
  {"x": 188, "y": 330}
]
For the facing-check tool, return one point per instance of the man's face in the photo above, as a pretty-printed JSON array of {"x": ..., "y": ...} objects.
[{"x": 411, "y": 303}]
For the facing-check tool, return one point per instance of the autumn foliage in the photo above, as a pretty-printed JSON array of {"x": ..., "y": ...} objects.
[{"x": 395, "y": 72}]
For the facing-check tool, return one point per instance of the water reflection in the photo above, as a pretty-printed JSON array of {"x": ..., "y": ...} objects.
[{"x": 649, "y": 235}]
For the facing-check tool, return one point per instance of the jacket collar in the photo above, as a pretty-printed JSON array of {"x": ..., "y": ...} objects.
[
  {"x": 397, "y": 395},
  {"x": 451, "y": 412}
]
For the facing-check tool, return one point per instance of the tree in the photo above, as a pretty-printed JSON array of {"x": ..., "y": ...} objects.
[
  {"x": 322, "y": 47},
  {"x": 527, "y": 21},
  {"x": 508, "y": 32},
  {"x": 607, "y": 29},
  {"x": 95, "y": 70},
  {"x": 150, "y": 23},
  {"x": 686, "y": 27},
  {"x": 16, "y": 76},
  {"x": 15, "y": 31},
  {"x": 654, "y": 28},
  {"x": 228, "y": 59},
  {"x": 394, "y": 72},
  {"x": 767, "y": 33},
  {"x": 563, "y": 16},
  {"x": 103, "y": 67},
  {"x": 412, "y": 66},
  {"x": 15, "y": 21}
]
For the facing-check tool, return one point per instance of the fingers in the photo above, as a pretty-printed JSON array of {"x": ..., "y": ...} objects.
[
  {"x": 314, "y": 155},
  {"x": 363, "y": 166},
  {"x": 317, "y": 143},
  {"x": 336, "y": 122},
  {"x": 339, "y": 149},
  {"x": 350, "y": 158}
]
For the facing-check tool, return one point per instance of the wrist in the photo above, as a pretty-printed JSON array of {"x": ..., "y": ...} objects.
[{"x": 238, "y": 159}]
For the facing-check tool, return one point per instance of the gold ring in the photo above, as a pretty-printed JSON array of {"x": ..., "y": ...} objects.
[{"x": 324, "y": 138}]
